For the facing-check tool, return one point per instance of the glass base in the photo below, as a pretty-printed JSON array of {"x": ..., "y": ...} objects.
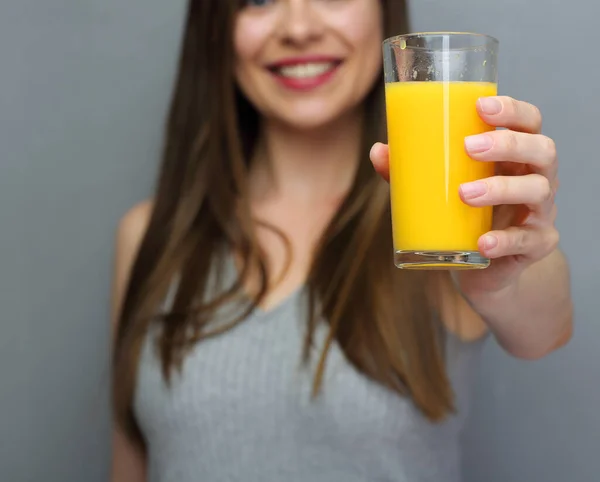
[{"x": 442, "y": 260}]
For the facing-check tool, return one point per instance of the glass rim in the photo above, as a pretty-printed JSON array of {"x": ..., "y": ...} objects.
[{"x": 406, "y": 36}]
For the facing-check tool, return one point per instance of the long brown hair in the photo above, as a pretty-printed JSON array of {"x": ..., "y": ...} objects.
[{"x": 381, "y": 317}]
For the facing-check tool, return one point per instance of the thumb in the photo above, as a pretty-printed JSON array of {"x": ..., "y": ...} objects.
[{"x": 380, "y": 158}]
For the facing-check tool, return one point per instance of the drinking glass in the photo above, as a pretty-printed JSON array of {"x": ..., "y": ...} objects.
[{"x": 432, "y": 83}]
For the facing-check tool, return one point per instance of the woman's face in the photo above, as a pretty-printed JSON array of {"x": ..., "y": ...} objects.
[{"x": 307, "y": 62}]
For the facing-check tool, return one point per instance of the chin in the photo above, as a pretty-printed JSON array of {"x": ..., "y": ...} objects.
[
  {"x": 311, "y": 116},
  {"x": 308, "y": 122}
]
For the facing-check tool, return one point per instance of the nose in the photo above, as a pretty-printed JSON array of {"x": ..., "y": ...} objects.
[{"x": 300, "y": 23}]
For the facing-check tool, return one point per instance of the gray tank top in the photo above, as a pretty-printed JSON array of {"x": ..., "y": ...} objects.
[{"x": 241, "y": 410}]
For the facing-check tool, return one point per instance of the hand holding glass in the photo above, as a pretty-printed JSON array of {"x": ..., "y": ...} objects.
[{"x": 433, "y": 82}]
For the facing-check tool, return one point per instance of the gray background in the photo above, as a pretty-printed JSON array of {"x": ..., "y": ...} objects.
[{"x": 83, "y": 90}]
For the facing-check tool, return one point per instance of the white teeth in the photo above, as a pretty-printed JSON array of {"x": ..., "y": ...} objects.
[{"x": 304, "y": 71}]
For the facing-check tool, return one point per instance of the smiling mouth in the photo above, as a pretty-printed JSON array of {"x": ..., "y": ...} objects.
[{"x": 307, "y": 70}]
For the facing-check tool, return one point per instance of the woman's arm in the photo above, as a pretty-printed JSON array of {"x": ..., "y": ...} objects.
[
  {"x": 533, "y": 316},
  {"x": 128, "y": 460}
]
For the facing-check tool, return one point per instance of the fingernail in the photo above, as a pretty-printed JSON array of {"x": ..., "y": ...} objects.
[
  {"x": 490, "y": 105},
  {"x": 490, "y": 242},
  {"x": 374, "y": 149},
  {"x": 471, "y": 190},
  {"x": 371, "y": 152},
  {"x": 478, "y": 143}
]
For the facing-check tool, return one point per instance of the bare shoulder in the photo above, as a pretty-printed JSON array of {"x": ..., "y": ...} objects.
[
  {"x": 133, "y": 225},
  {"x": 457, "y": 314},
  {"x": 130, "y": 232}
]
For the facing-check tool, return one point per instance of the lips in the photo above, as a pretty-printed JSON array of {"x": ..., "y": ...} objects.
[{"x": 304, "y": 73}]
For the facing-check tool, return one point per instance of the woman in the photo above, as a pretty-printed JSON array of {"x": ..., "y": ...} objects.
[{"x": 262, "y": 332}]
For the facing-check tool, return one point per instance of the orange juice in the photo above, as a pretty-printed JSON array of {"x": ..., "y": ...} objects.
[{"x": 427, "y": 124}]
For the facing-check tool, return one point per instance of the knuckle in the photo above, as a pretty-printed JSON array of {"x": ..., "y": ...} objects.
[
  {"x": 511, "y": 142},
  {"x": 544, "y": 190},
  {"x": 550, "y": 148},
  {"x": 537, "y": 116},
  {"x": 498, "y": 188},
  {"x": 512, "y": 103},
  {"x": 521, "y": 241}
]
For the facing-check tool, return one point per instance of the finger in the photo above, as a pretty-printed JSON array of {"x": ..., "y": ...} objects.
[
  {"x": 534, "y": 150},
  {"x": 380, "y": 155},
  {"x": 502, "y": 111},
  {"x": 533, "y": 190},
  {"x": 530, "y": 242}
]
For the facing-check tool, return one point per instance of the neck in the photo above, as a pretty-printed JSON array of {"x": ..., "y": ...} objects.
[{"x": 307, "y": 164}]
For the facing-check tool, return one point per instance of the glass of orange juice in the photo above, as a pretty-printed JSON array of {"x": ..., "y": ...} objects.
[{"x": 432, "y": 83}]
